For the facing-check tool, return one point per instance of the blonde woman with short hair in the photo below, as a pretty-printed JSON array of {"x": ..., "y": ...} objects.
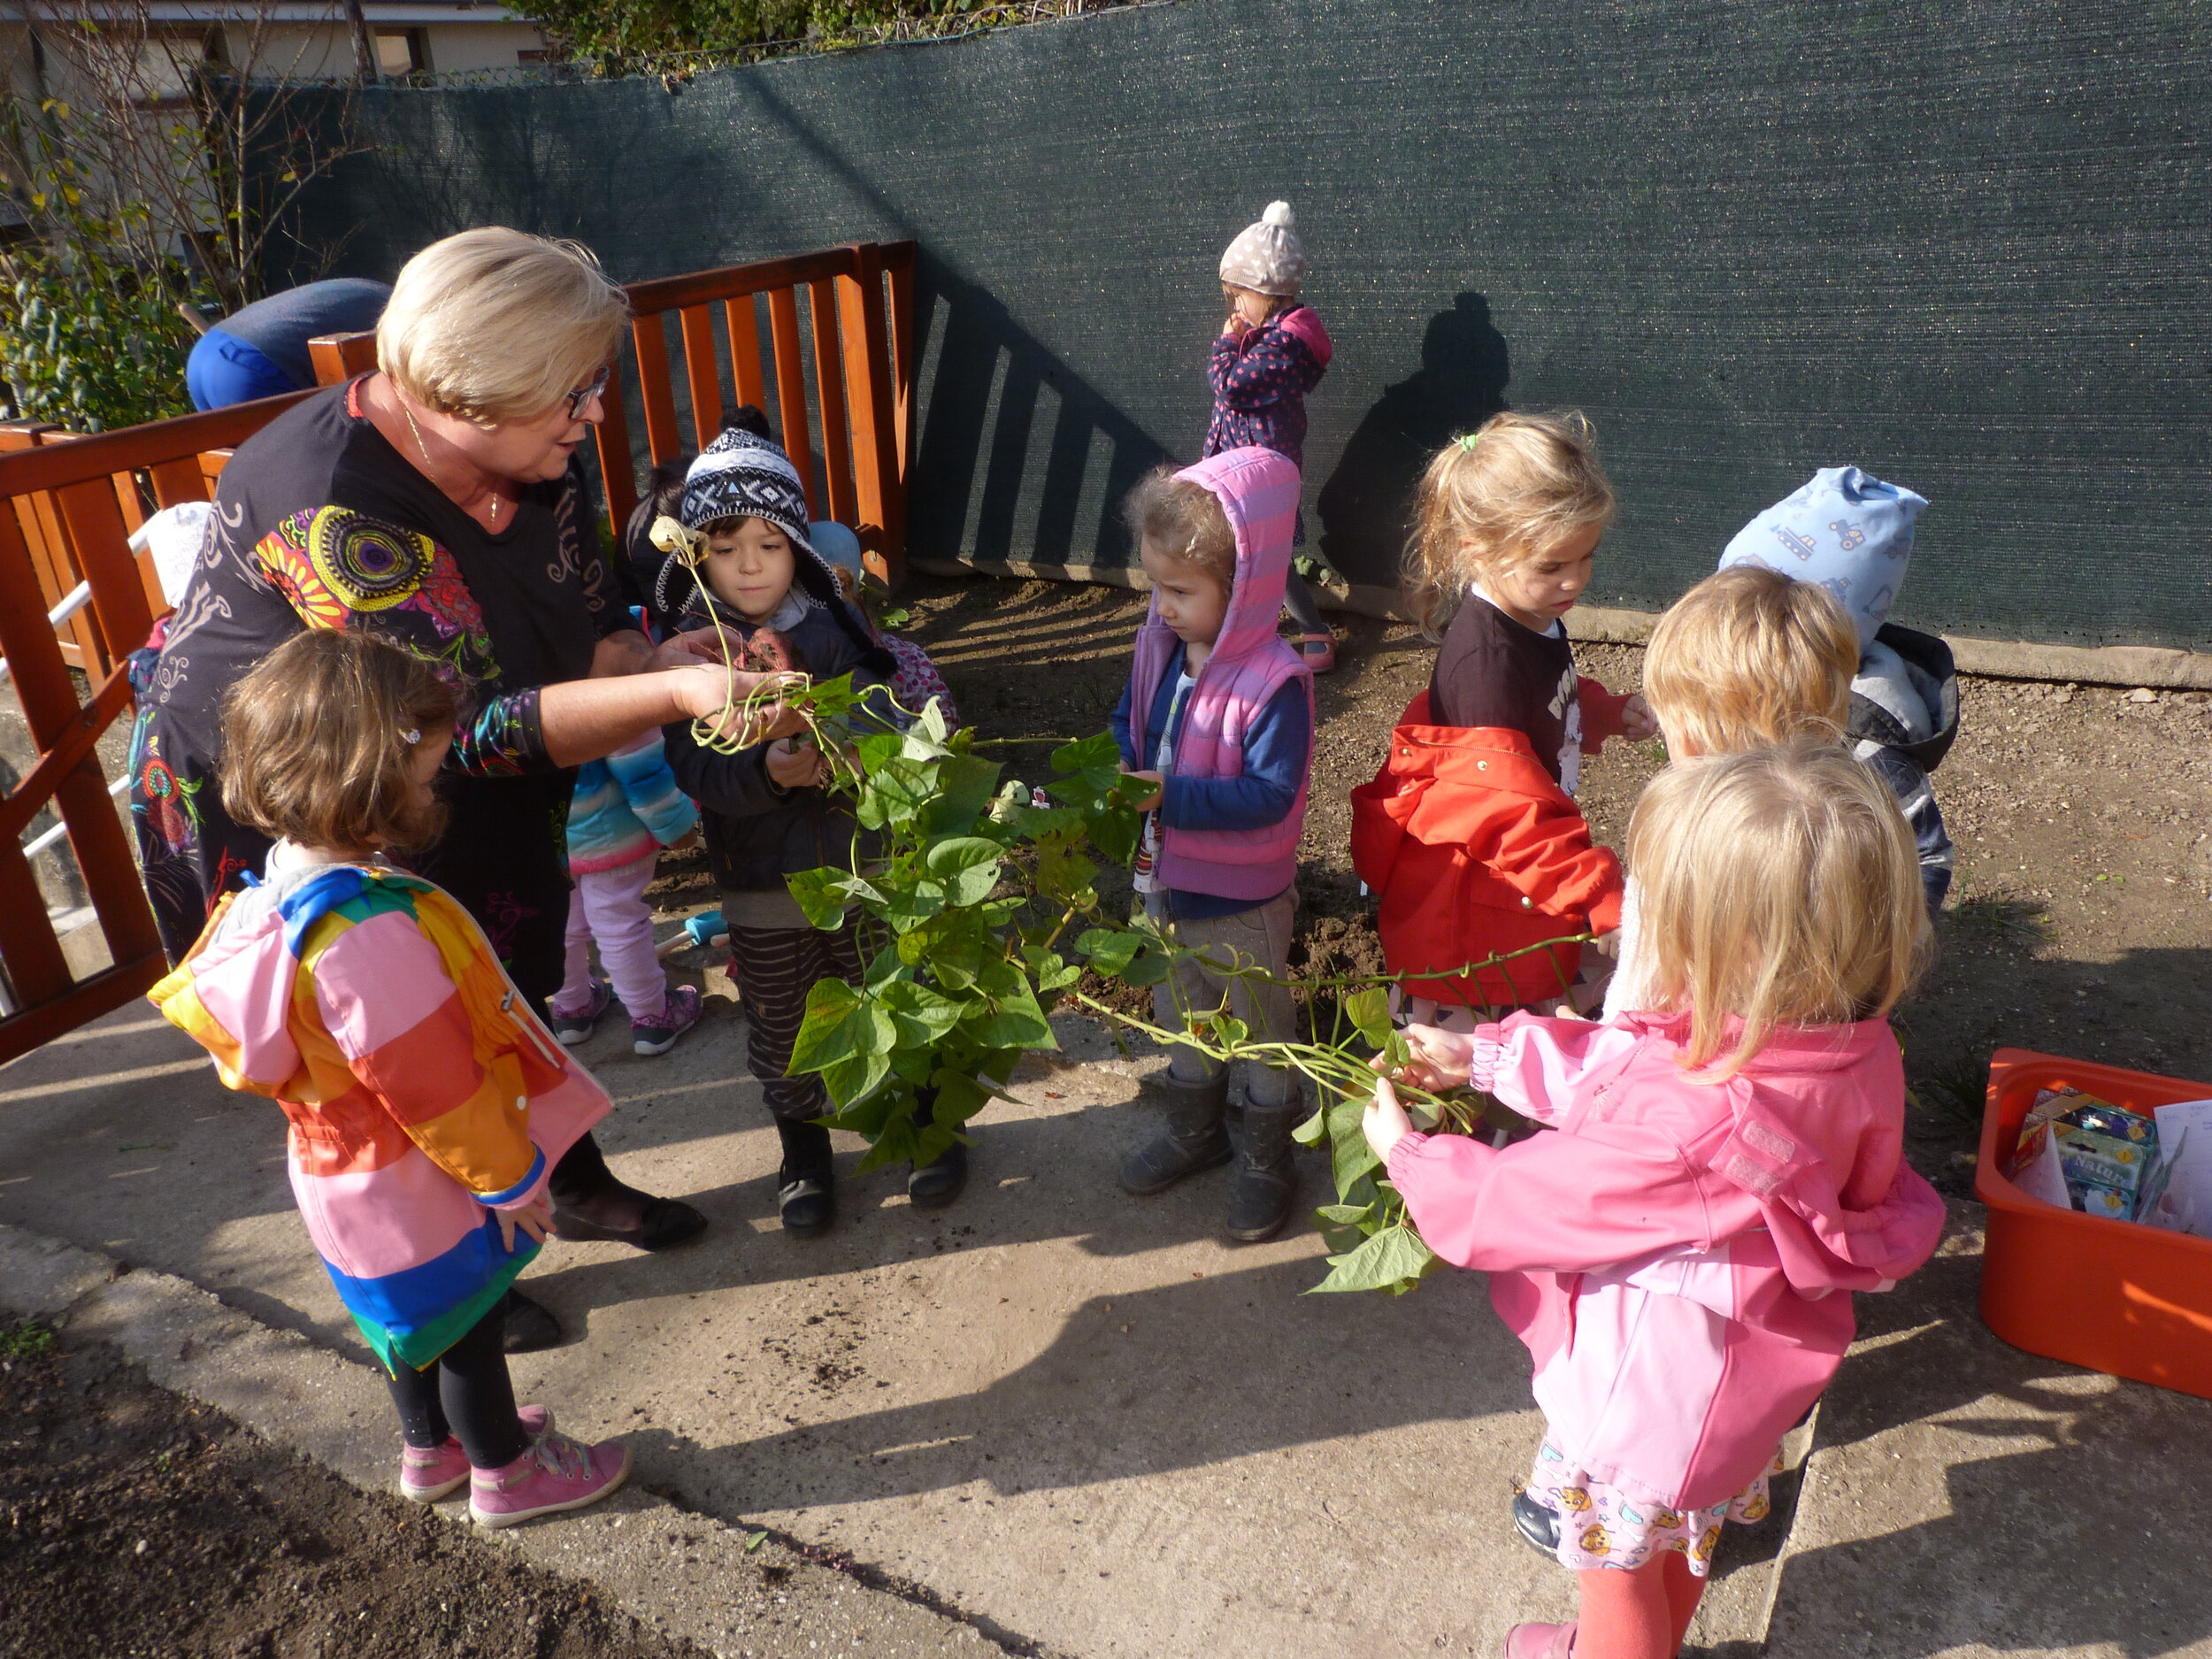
[
  {"x": 1722, "y": 1165},
  {"x": 440, "y": 503}
]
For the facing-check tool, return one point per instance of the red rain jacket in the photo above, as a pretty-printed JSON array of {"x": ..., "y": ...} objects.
[{"x": 1474, "y": 851}]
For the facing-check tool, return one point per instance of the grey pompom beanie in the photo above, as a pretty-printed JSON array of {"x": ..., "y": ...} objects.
[{"x": 1267, "y": 257}]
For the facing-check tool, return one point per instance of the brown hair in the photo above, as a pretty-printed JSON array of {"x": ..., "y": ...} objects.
[
  {"x": 1750, "y": 657},
  {"x": 1514, "y": 488},
  {"x": 318, "y": 739},
  {"x": 1778, "y": 885},
  {"x": 1183, "y": 519}
]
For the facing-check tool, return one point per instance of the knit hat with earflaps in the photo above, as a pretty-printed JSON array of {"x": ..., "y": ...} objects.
[
  {"x": 742, "y": 475},
  {"x": 1267, "y": 257}
]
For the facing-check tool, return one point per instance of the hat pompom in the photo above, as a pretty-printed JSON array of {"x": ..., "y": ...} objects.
[{"x": 1279, "y": 214}]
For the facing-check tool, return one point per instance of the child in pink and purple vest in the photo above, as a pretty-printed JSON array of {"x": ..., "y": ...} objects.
[{"x": 1218, "y": 717}]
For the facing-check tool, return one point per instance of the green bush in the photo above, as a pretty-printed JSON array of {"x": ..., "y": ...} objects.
[
  {"x": 614, "y": 37},
  {"x": 90, "y": 337}
]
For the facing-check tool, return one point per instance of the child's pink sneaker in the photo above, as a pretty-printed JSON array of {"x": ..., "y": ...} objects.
[
  {"x": 1541, "y": 1642},
  {"x": 557, "y": 1473},
  {"x": 426, "y": 1476}
]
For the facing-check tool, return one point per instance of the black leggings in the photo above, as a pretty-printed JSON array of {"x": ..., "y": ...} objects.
[{"x": 464, "y": 1391}]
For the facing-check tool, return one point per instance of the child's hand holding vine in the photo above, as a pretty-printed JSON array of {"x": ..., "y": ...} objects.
[
  {"x": 1158, "y": 784},
  {"x": 1385, "y": 1122},
  {"x": 793, "y": 764},
  {"x": 1436, "y": 1058}
]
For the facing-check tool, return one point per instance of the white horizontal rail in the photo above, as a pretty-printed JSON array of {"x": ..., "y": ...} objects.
[{"x": 76, "y": 600}]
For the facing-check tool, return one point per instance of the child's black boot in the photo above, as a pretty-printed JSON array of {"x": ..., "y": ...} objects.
[
  {"x": 1267, "y": 1183},
  {"x": 805, "y": 1196},
  {"x": 933, "y": 1185},
  {"x": 1195, "y": 1138}
]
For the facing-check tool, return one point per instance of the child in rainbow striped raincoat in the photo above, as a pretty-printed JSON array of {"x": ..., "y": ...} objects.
[{"x": 426, "y": 1100}]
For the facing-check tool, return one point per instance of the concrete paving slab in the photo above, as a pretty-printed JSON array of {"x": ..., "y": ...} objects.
[
  {"x": 1967, "y": 1500},
  {"x": 1091, "y": 1427}
]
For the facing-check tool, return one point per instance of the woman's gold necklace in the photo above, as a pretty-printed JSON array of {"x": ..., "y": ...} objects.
[{"x": 410, "y": 415}]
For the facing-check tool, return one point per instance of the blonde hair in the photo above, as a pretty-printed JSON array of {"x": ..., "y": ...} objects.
[
  {"x": 1779, "y": 887},
  {"x": 1183, "y": 520},
  {"x": 1749, "y": 658},
  {"x": 318, "y": 737},
  {"x": 1497, "y": 497},
  {"x": 494, "y": 325}
]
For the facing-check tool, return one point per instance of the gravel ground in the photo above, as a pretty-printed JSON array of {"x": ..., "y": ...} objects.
[{"x": 133, "y": 1522}]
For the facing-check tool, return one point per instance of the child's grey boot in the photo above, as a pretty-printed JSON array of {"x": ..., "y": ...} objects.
[
  {"x": 1196, "y": 1138},
  {"x": 1267, "y": 1183}
]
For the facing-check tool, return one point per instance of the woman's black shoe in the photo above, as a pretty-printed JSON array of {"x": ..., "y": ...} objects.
[
  {"x": 934, "y": 1186},
  {"x": 1536, "y": 1523},
  {"x": 527, "y": 1327},
  {"x": 662, "y": 1225}
]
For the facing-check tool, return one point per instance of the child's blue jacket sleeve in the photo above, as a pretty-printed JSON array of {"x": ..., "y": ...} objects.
[
  {"x": 1277, "y": 749},
  {"x": 1118, "y": 722},
  {"x": 650, "y": 787}
]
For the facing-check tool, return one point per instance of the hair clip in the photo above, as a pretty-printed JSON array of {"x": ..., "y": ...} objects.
[
  {"x": 411, "y": 736},
  {"x": 1468, "y": 440}
]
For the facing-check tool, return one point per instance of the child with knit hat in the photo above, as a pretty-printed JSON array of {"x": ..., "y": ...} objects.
[
  {"x": 1268, "y": 355},
  {"x": 1851, "y": 534},
  {"x": 753, "y": 570}
]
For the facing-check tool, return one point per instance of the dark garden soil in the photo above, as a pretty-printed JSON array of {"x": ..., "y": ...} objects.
[
  {"x": 2078, "y": 924},
  {"x": 133, "y": 1522}
]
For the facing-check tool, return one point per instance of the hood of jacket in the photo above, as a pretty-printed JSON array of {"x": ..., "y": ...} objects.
[
  {"x": 1810, "y": 1137},
  {"x": 1302, "y": 323},
  {"x": 1906, "y": 696},
  {"x": 1258, "y": 492},
  {"x": 233, "y": 992}
]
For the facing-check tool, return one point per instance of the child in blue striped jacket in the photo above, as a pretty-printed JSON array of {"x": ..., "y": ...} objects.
[{"x": 626, "y": 810}]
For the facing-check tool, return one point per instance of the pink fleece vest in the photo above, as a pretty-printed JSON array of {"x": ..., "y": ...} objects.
[{"x": 1258, "y": 490}]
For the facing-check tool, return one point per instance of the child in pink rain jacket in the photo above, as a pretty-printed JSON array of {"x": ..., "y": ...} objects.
[{"x": 1677, "y": 1256}]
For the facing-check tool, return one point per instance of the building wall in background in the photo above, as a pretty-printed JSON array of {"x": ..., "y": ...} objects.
[{"x": 1969, "y": 249}]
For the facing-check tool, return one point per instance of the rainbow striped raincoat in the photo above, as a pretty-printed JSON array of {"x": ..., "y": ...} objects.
[{"x": 422, "y": 1092}]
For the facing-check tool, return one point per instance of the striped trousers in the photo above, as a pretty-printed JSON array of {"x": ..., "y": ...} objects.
[{"x": 775, "y": 968}]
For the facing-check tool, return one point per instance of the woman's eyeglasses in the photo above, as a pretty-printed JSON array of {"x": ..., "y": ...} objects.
[{"x": 580, "y": 398}]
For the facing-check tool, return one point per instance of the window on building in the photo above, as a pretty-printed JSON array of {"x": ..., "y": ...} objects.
[{"x": 401, "y": 52}]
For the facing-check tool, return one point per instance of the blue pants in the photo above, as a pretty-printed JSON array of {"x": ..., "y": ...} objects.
[{"x": 223, "y": 370}]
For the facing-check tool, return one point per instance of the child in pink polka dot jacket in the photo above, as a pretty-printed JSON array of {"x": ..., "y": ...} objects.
[{"x": 1268, "y": 355}]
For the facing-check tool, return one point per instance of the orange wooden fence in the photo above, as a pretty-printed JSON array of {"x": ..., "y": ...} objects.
[{"x": 836, "y": 375}]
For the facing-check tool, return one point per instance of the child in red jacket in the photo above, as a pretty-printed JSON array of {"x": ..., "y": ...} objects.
[{"x": 1469, "y": 835}]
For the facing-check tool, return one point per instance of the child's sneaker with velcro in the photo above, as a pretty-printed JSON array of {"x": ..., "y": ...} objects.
[
  {"x": 557, "y": 1473},
  {"x": 678, "y": 1015},
  {"x": 428, "y": 1473},
  {"x": 575, "y": 1028}
]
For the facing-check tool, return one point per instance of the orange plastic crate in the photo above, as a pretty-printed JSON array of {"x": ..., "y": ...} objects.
[{"x": 2132, "y": 1301}]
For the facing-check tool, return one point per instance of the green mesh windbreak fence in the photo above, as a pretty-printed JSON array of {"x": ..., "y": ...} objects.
[{"x": 1967, "y": 247}]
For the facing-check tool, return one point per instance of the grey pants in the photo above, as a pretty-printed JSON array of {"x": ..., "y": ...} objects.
[{"x": 1259, "y": 937}]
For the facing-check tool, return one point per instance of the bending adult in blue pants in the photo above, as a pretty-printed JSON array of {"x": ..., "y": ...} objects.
[{"x": 262, "y": 349}]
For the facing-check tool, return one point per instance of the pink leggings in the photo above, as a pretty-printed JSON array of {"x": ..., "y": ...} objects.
[{"x": 609, "y": 907}]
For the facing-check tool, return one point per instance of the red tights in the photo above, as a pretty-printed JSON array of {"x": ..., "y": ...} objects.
[{"x": 1640, "y": 1614}]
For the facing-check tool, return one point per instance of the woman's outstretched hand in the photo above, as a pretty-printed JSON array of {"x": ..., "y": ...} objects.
[
  {"x": 685, "y": 650},
  {"x": 709, "y": 692},
  {"x": 1385, "y": 1122}
]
